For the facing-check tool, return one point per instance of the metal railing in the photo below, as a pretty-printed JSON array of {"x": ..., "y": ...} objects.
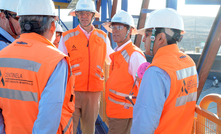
[{"x": 206, "y": 122}]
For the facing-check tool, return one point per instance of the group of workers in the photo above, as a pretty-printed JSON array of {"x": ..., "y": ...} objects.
[{"x": 47, "y": 85}]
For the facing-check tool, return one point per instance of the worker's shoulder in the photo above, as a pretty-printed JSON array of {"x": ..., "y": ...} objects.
[
  {"x": 70, "y": 31},
  {"x": 100, "y": 31}
]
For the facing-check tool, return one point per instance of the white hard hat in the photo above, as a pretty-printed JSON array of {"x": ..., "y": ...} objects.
[
  {"x": 10, "y": 5},
  {"x": 164, "y": 18},
  {"x": 59, "y": 28},
  {"x": 36, "y": 7},
  {"x": 84, "y": 5},
  {"x": 121, "y": 17}
]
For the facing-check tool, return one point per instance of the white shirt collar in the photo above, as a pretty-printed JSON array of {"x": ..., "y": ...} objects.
[{"x": 86, "y": 33}]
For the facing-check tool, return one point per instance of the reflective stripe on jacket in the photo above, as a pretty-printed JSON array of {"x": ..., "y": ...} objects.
[
  {"x": 178, "y": 111},
  {"x": 120, "y": 83},
  {"x": 87, "y": 58},
  {"x": 26, "y": 66}
]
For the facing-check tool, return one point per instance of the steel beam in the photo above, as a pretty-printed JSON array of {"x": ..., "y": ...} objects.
[
  {"x": 124, "y": 5},
  {"x": 114, "y": 8},
  {"x": 103, "y": 13},
  {"x": 98, "y": 5},
  {"x": 171, "y": 4},
  {"x": 209, "y": 53},
  {"x": 141, "y": 22}
]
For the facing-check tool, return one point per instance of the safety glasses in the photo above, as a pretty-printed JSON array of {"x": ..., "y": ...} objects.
[
  {"x": 14, "y": 16},
  {"x": 116, "y": 27},
  {"x": 148, "y": 32},
  {"x": 58, "y": 34},
  {"x": 81, "y": 13}
]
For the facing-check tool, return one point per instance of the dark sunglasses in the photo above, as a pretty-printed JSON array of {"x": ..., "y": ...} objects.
[
  {"x": 148, "y": 32},
  {"x": 14, "y": 16}
]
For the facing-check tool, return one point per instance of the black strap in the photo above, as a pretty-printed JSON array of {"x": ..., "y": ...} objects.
[{"x": 2, "y": 38}]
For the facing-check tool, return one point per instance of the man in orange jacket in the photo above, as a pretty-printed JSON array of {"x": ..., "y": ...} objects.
[
  {"x": 168, "y": 91},
  {"x": 88, "y": 49},
  {"x": 36, "y": 88},
  {"x": 121, "y": 86}
]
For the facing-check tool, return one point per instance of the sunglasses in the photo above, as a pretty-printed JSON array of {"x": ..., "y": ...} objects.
[
  {"x": 14, "y": 16},
  {"x": 148, "y": 32},
  {"x": 116, "y": 27},
  {"x": 58, "y": 34}
]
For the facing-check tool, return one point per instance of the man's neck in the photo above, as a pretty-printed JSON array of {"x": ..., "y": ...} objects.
[
  {"x": 122, "y": 43},
  {"x": 88, "y": 29}
]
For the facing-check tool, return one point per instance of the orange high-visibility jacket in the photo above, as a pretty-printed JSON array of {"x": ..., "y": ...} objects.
[
  {"x": 120, "y": 83},
  {"x": 178, "y": 111},
  {"x": 87, "y": 58},
  {"x": 26, "y": 66}
]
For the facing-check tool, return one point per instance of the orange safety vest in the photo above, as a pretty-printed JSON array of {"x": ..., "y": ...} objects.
[
  {"x": 179, "y": 108},
  {"x": 25, "y": 68},
  {"x": 120, "y": 83},
  {"x": 87, "y": 58}
]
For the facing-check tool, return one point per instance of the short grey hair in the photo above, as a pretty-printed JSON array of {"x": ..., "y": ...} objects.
[{"x": 31, "y": 18}]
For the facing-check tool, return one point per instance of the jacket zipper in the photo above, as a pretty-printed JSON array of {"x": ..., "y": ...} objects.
[{"x": 88, "y": 65}]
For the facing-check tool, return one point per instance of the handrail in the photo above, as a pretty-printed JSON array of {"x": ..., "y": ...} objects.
[{"x": 204, "y": 113}]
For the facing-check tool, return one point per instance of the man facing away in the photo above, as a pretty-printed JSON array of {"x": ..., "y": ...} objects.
[
  {"x": 168, "y": 91},
  {"x": 9, "y": 26},
  {"x": 88, "y": 49},
  {"x": 34, "y": 75},
  {"x": 121, "y": 86}
]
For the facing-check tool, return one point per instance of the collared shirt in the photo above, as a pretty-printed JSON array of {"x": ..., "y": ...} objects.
[
  {"x": 7, "y": 36},
  {"x": 86, "y": 33},
  {"x": 136, "y": 60},
  {"x": 153, "y": 92},
  {"x": 109, "y": 50},
  {"x": 50, "y": 105}
]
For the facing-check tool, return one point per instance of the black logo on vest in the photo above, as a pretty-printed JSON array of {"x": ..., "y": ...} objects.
[
  {"x": 74, "y": 48},
  {"x": 2, "y": 79},
  {"x": 184, "y": 90},
  {"x": 16, "y": 78}
]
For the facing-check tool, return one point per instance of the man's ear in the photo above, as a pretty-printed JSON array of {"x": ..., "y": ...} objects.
[
  {"x": 130, "y": 32},
  {"x": 161, "y": 38},
  {"x": 53, "y": 26}
]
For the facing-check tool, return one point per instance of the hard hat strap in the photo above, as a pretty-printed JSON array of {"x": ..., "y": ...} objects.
[
  {"x": 33, "y": 26},
  {"x": 152, "y": 38},
  {"x": 91, "y": 20},
  {"x": 174, "y": 35},
  {"x": 126, "y": 34}
]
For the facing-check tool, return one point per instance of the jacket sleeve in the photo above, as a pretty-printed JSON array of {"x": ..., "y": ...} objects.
[
  {"x": 154, "y": 90},
  {"x": 50, "y": 104},
  {"x": 2, "y": 45},
  {"x": 62, "y": 46}
]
